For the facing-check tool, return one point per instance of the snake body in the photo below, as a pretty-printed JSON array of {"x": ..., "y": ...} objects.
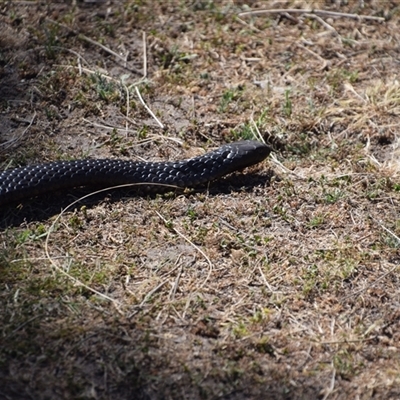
[{"x": 35, "y": 180}]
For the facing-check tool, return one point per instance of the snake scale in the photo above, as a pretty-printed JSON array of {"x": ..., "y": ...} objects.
[{"x": 35, "y": 180}]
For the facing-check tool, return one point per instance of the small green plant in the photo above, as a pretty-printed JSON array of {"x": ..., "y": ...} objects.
[
  {"x": 143, "y": 132},
  {"x": 249, "y": 130},
  {"x": 24, "y": 236},
  {"x": 310, "y": 279},
  {"x": 105, "y": 89},
  {"x": 316, "y": 221},
  {"x": 281, "y": 211},
  {"x": 75, "y": 222},
  {"x": 391, "y": 241},
  {"x": 333, "y": 197},
  {"x": 228, "y": 97},
  {"x": 351, "y": 76},
  {"x": 115, "y": 140},
  {"x": 108, "y": 29},
  {"x": 204, "y": 75},
  {"x": 192, "y": 214},
  {"x": 287, "y": 106},
  {"x": 51, "y": 113},
  {"x": 347, "y": 41},
  {"x": 240, "y": 330},
  {"x": 347, "y": 269},
  {"x": 30, "y": 235},
  {"x": 263, "y": 346},
  {"x": 245, "y": 132},
  {"x": 51, "y": 42},
  {"x": 344, "y": 364}
]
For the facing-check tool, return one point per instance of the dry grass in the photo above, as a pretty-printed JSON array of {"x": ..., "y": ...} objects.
[{"x": 282, "y": 282}]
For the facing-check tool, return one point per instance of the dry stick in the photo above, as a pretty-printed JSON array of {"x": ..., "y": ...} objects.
[
  {"x": 79, "y": 66},
  {"x": 127, "y": 110},
  {"x": 323, "y": 23},
  {"x": 390, "y": 232},
  {"x": 265, "y": 279},
  {"x": 149, "y": 294},
  {"x": 331, "y": 387},
  {"x": 176, "y": 284},
  {"x": 246, "y": 24},
  {"x": 108, "y": 50},
  {"x": 311, "y": 11},
  {"x": 148, "y": 109},
  {"x": 106, "y": 126},
  {"x": 325, "y": 62},
  {"x": 28, "y": 3},
  {"x": 105, "y": 48},
  {"x": 345, "y": 341},
  {"x": 176, "y": 266},
  {"x": 149, "y": 139},
  {"x": 178, "y": 315},
  {"x": 17, "y": 260},
  {"x": 144, "y": 54},
  {"x": 258, "y": 133},
  {"x": 284, "y": 169}
]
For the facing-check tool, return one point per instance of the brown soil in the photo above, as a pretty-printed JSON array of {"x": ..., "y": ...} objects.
[{"x": 281, "y": 282}]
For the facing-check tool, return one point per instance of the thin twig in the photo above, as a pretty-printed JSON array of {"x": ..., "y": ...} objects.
[
  {"x": 176, "y": 284},
  {"x": 258, "y": 133},
  {"x": 107, "y": 126},
  {"x": 311, "y": 11},
  {"x": 105, "y": 48},
  {"x": 390, "y": 232},
  {"x": 284, "y": 169},
  {"x": 331, "y": 387},
  {"x": 144, "y": 55},
  {"x": 346, "y": 341},
  {"x": 324, "y": 62},
  {"x": 265, "y": 279},
  {"x": 322, "y": 22},
  {"x": 147, "y": 108},
  {"x": 149, "y": 294},
  {"x": 127, "y": 110},
  {"x": 247, "y": 25}
]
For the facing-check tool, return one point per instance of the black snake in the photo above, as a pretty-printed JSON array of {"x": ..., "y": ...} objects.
[{"x": 35, "y": 180}]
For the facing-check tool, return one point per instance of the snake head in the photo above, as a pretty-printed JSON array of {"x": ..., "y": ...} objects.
[{"x": 245, "y": 153}]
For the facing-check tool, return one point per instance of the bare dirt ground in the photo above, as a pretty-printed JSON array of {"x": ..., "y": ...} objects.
[{"x": 278, "y": 283}]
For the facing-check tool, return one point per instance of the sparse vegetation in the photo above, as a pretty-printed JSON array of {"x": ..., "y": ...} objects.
[{"x": 282, "y": 281}]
